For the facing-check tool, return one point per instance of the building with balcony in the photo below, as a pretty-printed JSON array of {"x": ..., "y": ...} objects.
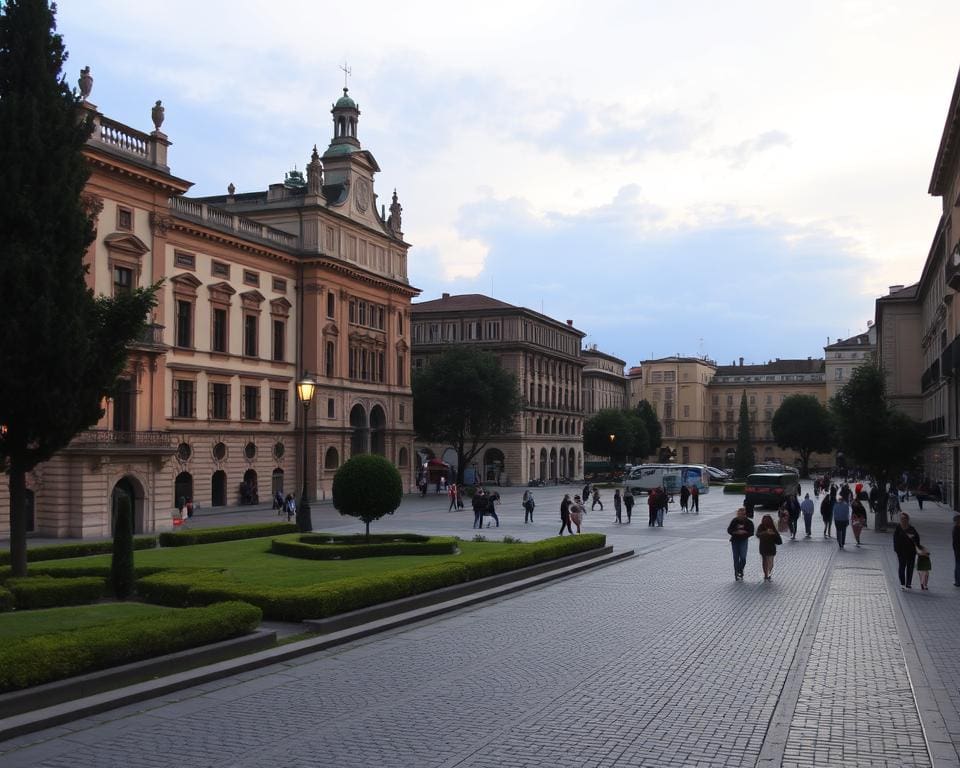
[
  {"x": 545, "y": 357},
  {"x": 308, "y": 276},
  {"x": 604, "y": 382}
]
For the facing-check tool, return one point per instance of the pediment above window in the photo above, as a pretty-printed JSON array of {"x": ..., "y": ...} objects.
[
  {"x": 330, "y": 329},
  {"x": 126, "y": 243},
  {"x": 221, "y": 292},
  {"x": 280, "y": 307},
  {"x": 252, "y": 299},
  {"x": 185, "y": 282}
]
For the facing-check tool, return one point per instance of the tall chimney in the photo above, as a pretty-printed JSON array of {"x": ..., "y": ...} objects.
[
  {"x": 446, "y": 296},
  {"x": 741, "y": 362}
]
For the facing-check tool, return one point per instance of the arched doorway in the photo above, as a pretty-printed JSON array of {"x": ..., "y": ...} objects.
[
  {"x": 249, "y": 492},
  {"x": 543, "y": 464},
  {"x": 358, "y": 438},
  {"x": 553, "y": 464},
  {"x": 450, "y": 456},
  {"x": 276, "y": 482},
  {"x": 182, "y": 489},
  {"x": 492, "y": 465},
  {"x": 128, "y": 487},
  {"x": 563, "y": 462},
  {"x": 532, "y": 469},
  {"x": 218, "y": 493},
  {"x": 378, "y": 431}
]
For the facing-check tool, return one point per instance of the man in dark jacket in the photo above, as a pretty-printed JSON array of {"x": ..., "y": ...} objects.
[
  {"x": 740, "y": 530},
  {"x": 905, "y": 543},
  {"x": 479, "y": 504}
]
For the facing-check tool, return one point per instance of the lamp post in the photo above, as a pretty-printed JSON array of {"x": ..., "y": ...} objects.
[
  {"x": 305, "y": 389},
  {"x": 612, "y": 438}
]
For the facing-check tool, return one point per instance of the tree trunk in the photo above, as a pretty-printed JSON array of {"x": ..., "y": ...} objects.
[
  {"x": 18, "y": 518},
  {"x": 881, "y": 521},
  {"x": 368, "y": 531}
]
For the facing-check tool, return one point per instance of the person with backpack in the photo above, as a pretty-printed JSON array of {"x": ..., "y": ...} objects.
[{"x": 479, "y": 505}]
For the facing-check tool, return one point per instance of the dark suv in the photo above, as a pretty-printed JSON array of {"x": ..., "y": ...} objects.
[{"x": 768, "y": 489}]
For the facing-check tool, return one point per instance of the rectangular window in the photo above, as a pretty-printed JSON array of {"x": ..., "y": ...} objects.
[
  {"x": 184, "y": 260},
  {"x": 331, "y": 408},
  {"x": 251, "y": 278},
  {"x": 352, "y": 311},
  {"x": 402, "y": 416},
  {"x": 331, "y": 303},
  {"x": 839, "y": 374},
  {"x": 279, "y": 336},
  {"x": 122, "y": 281},
  {"x": 219, "y": 269},
  {"x": 278, "y": 405},
  {"x": 250, "y": 335},
  {"x": 729, "y": 415},
  {"x": 329, "y": 359},
  {"x": 399, "y": 323},
  {"x": 251, "y": 403},
  {"x": 184, "y": 324},
  {"x": 401, "y": 359},
  {"x": 381, "y": 365},
  {"x": 686, "y": 411},
  {"x": 220, "y": 401},
  {"x": 729, "y": 400},
  {"x": 362, "y": 313},
  {"x": 381, "y": 318},
  {"x": 668, "y": 410},
  {"x": 184, "y": 401},
  {"x": 218, "y": 343},
  {"x": 279, "y": 285},
  {"x": 124, "y": 218}
]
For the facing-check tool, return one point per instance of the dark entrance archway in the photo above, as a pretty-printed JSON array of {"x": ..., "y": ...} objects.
[
  {"x": 218, "y": 491},
  {"x": 128, "y": 487},
  {"x": 360, "y": 433},
  {"x": 378, "y": 431},
  {"x": 276, "y": 482},
  {"x": 182, "y": 489},
  {"x": 492, "y": 465},
  {"x": 249, "y": 492}
]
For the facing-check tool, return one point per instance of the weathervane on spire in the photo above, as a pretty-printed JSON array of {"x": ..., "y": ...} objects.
[{"x": 347, "y": 71}]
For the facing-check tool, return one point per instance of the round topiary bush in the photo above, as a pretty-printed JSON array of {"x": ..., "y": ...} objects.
[{"x": 367, "y": 486}]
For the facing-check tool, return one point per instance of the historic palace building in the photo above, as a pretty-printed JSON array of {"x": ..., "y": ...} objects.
[
  {"x": 259, "y": 288},
  {"x": 604, "y": 383},
  {"x": 545, "y": 357}
]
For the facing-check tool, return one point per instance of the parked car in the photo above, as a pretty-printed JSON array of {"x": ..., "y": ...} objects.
[
  {"x": 768, "y": 489},
  {"x": 718, "y": 475}
]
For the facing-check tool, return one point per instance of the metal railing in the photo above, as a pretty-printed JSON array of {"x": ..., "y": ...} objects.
[{"x": 110, "y": 438}]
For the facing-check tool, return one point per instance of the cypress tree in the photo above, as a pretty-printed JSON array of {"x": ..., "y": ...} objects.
[
  {"x": 61, "y": 348},
  {"x": 743, "y": 460},
  {"x": 121, "y": 563}
]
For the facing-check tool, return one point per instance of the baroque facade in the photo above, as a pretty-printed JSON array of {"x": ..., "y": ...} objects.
[
  {"x": 604, "y": 383},
  {"x": 545, "y": 357},
  {"x": 259, "y": 288}
]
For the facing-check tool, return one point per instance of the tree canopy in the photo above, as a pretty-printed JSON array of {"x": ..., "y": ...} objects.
[
  {"x": 803, "y": 424},
  {"x": 651, "y": 424},
  {"x": 627, "y": 429},
  {"x": 743, "y": 460},
  {"x": 463, "y": 397},
  {"x": 870, "y": 432},
  {"x": 367, "y": 486},
  {"x": 62, "y": 348}
]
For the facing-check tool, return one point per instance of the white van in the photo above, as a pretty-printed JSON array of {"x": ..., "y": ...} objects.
[{"x": 646, "y": 477}]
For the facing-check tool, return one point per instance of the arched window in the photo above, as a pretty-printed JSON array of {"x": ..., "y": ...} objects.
[
  {"x": 378, "y": 430},
  {"x": 402, "y": 457},
  {"x": 332, "y": 459}
]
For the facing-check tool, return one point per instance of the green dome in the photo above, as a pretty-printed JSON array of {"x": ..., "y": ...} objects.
[
  {"x": 339, "y": 149},
  {"x": 345, "y": 102}
]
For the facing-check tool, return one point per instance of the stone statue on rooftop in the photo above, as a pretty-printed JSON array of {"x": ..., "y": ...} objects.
[
  {"x": 85, "y": 82},
  {"x": 157, "y": 114}
]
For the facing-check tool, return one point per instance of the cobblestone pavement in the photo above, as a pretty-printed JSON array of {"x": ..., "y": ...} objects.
[{"x": 661, "y": 660}]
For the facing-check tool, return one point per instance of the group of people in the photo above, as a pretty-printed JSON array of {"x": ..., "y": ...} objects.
[
  {"x": 485, "y": 504},
  {"x": 285, "y": 505},
  {"x": 571, "y": 513}
]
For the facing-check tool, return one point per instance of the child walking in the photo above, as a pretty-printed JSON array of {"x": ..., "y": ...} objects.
[{"x": 923, "y": 566}]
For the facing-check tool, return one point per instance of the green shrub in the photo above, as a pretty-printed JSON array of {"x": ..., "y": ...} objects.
[
  {"x": 80, "y": 549},
  {"x": 438, "y": 545},
  {"x": 367, "y": 486},
  {"x": 203, "y": 587},
  {"x": 47, "y": 592},
  {"x": 734, "y": 487},
  {"x": 7, "y": 600},
  {"x": 122, "y": 578},
  {"x": 359, "y": 538},
  {"x": 43, "y": 658},
  {"x": 228, "y": 533}
]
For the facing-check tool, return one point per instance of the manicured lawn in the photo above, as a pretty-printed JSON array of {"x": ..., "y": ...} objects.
[
  {"x": 251, "y": 562},
  {"x": 27, "y": 623}
]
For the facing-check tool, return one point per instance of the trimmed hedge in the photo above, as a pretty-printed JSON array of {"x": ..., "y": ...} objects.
[
  {"x": 437, "y": 545},
  {"x": 203, "y": 587},
  {"x": 360, "y": 538},
  {"x": 82, "y": 549},
  {"x": 228, "y": 533},
  {"x": 734, "y": 487},
  {"x": 47, "y": 592},
  {"x": 7, "y": 601},
  {"x": 43, "y": 658}
]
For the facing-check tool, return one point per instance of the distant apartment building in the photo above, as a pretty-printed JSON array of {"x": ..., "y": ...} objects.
[
  {"x": 604, "y": 382},
  {"x": 844, "y": 356},
  {"x": 545, "y": 357},
  {"x": 258, "y": 288}
]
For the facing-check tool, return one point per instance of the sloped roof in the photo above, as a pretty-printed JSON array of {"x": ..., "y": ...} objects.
[
  {"x": 860, "y": 340},
  {"x": 464, "y": 302},
  {"x": 773, "y": 367}
]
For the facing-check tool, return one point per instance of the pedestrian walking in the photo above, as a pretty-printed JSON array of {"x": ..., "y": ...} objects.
[
  {"x": 617, "y": 506},
  {"x": 826, "y": 512},
  {"x": 565, "y": 514},
  {"x": 479, "y": 504},
  {"x": 793, "y": 515},
  {"x": 652, "y": 504},
  {"x": 956, "y": 550},
  {"x": 662, "y": 501},
  {"x": 452, "y": 494},
  {"x": 769, "y": 538},
  {"x": 628, "y": 503},
  {"x": 585, "y": 493},
  {"x": 596, "y": 499},
  {"x": 740, "y": 530},
  {"x": 576, "y": 512},
  {"x": 492, "y": 499},
  {"x": 278, "y": 502},
  {"x": 841, "y": 519},
  {"x": 684, "y": 498},
  {"x": 806, "y": 508},
  {"x": 290, "y": 506},
  {"x": 923, "y": 566},
  {"x": 528, "y": 506},
  {"x": 694, "y": 498},
  {"x": 905, "y": 543},
  {"x": 858, "y": 518},
  {"x": 873, "y": 498}
]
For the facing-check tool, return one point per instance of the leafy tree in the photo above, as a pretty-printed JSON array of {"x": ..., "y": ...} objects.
[
  {"x": 367, "y": 486},
  {"x": 743, "y": 460},
  {"x": 598, "y": 429},
  {"x": 61, "y": 349},
  {"x": 122, "y": 573},
  {"x": 871, "y": 433},
  {"x": 803, "y": 423},
  {"x": 654, "y": 431},
  {"x": 640, "y": 446},
  {"x": 464, "y": 397}
]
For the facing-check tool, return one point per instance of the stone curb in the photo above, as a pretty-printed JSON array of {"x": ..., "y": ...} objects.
[{"x": 67, "y": 711}]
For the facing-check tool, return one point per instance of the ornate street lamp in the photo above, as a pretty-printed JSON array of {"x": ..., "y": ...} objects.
[
  {"x": 612, "y": 438},
  {"x": 305, "y": 389}
]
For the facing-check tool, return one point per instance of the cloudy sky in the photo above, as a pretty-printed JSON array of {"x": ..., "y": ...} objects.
[{"x": 737, "y": 178}]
